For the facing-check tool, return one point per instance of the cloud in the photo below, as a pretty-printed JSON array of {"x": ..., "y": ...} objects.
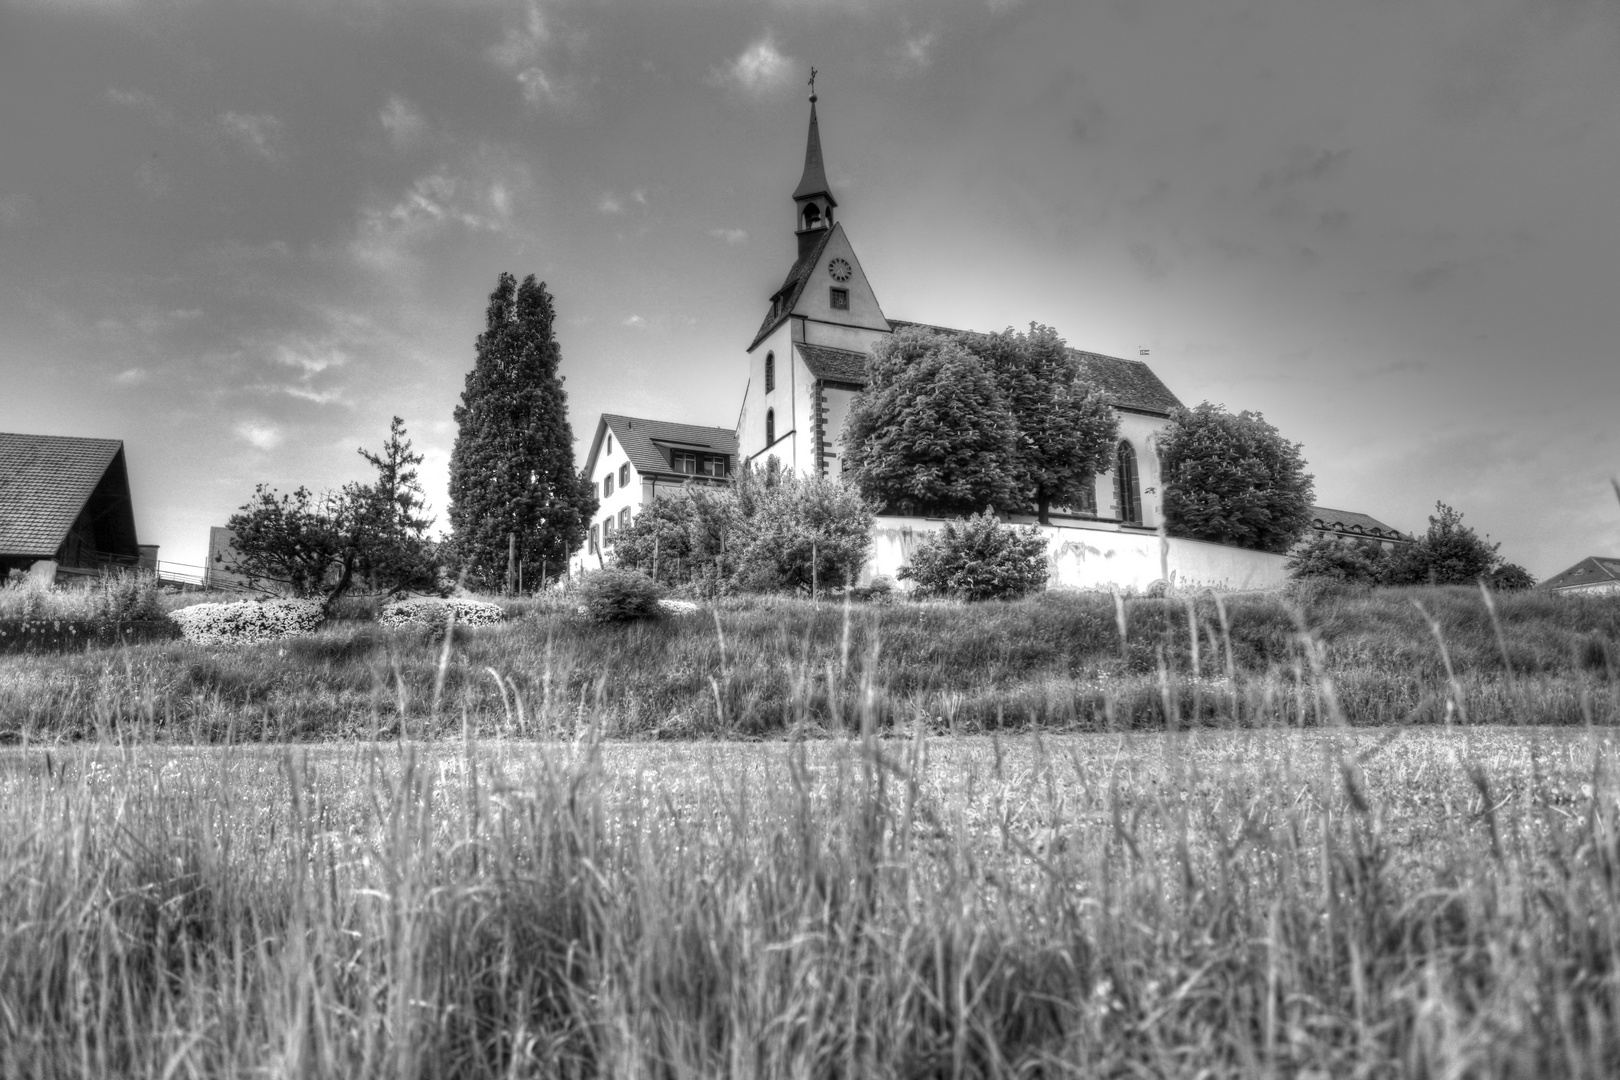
[
  {"x": 479, "y": 199},
  {"x": 145, "y": 104},
  {"x": 756, "y": 69},
  {"x": 152, "y": 180},
  {"x": 403, "y": 123},
  {"x": 916, "y": 53},
  {"x": 258, "y": 133},
  {"x": 260, "y": 436},
  {"x": 1304, "y": 164},
  {"x": 609, "y": 204},
  {"x": 521, "y": 45},
  {"x": 635, "y": 320},
  {"x": 131, "y": 377},
  {"x": 730, "y": 236}
]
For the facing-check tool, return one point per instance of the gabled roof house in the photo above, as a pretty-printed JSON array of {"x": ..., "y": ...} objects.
[
  {"x": 1593, "y": 574},
  {"x": 66, "y": 500}
]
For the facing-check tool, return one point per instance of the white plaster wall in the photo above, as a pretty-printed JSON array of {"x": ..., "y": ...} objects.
[
  {"x": 1142, "y": 432},
  {"x": 1101, "y": 557},
  {"x": 751, "y": 418}
]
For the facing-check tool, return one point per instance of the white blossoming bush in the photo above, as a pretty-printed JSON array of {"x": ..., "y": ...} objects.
[
  {"x": 247, "y": 621},
  {"x": 679, "y": 607},
  {"x": 434, "y": 613}
]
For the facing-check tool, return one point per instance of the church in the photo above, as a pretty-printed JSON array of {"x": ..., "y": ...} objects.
[{"x": 806, "y": 363}]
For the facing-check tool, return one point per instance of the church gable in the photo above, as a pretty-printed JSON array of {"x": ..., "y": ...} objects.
[{"x": 834, "y": 288}]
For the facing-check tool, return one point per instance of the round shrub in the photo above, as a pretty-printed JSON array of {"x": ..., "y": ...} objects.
[
  {"x": 979, "y": 559},
  {"x": 617, "y": 595},
  {"x": 434, "y": 613},
  {"x": 247, "y": 621}
]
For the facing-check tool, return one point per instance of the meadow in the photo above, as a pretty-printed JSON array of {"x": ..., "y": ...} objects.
[{"x": 1331, "y": 834}]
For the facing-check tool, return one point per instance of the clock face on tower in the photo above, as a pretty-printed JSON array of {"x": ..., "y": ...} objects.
[{"x": 839, "y": 269}]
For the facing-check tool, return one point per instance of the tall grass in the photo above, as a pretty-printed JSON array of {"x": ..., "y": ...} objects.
[
  {"x": 1440, "y": 903},
  {"x": 773, "y": 666}
]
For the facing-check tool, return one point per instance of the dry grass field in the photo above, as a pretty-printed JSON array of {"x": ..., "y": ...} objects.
[{"x": 1333, "y": 902}]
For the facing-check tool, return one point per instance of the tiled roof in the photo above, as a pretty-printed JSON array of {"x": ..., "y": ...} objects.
[
  {"x": 45, "y": 480},
  {"x": 1592, "y": 570},
  {"x": 640, "y": 439},
  {"x": 814, "y": 180},
  {"x": 1348, "y": 521},
  {"x": 784, "y": 298},
  {"x": 1128, "y": 384},
  {"x": 839, "y": 365}
]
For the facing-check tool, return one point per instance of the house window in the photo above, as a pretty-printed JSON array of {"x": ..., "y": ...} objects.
[
  {"x": 839, "y": 298},
  {"x": 713, "y": 466},
  {"x": 624, "y": 518},
  {"x": 1127, "y": 490},
  {"x": 684, "y": 461},
  {"x": 770, "y": 426},
  {"x": 607, "y": 485},
  {"x": 624, "y": 475},
  {"x": 596, "y": 544},
  {"x": 607, "y": 532},
  {"x": 770, "y": 372},
  {"x": 610, "y": 446}
]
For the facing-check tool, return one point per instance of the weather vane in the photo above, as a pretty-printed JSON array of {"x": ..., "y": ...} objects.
[{"x": 812, "y": 84}]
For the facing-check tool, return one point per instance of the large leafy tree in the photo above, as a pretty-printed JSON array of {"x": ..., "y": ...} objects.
[
  {"x": 932, "y": 432},
  {"x": 1233, "y": 479},
  {"x": 322, "y": 545},
  {"x": 512, "y": 470},
  {"x": 1067, "y": 431}
]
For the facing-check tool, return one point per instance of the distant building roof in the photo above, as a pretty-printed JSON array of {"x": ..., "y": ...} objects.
[
  {"x": 647, "y": 442},
  {"x": 1592, "y": 570},
  {"x": 1128, "y": 384},
  {"x": 45, "y": 481},
  {"x": 1348, "y": 521}
]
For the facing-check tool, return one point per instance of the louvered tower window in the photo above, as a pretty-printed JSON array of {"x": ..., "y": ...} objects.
[{"x": 770, "y": 372}]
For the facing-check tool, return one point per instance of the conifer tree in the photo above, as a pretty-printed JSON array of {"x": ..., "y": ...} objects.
[{"x": 512, "y": 470}]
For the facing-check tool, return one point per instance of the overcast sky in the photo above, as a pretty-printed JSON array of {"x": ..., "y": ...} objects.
[{"x": 241, "y": 236}]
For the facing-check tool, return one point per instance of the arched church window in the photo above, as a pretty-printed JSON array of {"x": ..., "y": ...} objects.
[
  {"x": 770, "y": 372},
  {"x": 1127, "y": 488},
  {"x": 770, "y": 426}
]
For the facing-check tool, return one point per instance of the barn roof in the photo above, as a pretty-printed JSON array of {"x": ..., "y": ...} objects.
[
  {"x": 45, "y": 481},
  {"x": 647, "y": 442}
]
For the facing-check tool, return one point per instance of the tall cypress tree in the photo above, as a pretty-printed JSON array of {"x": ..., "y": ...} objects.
[{"x": 512, "y": 470}]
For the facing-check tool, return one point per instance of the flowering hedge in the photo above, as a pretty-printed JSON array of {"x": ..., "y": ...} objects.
[
  {"x": 434, "y": 613},
  {"x": 247, "y": 621},
  {"x": 44, "y": 633}
]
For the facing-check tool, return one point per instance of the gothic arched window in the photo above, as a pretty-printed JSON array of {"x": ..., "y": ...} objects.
[
  {"x": 1127, "y": 489},
  {"x": 770, "y": 372},
  {"x": 770, "y": 426}
]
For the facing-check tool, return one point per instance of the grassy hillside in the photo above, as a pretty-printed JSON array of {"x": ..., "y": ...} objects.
[{"x": 760, "y": 667}]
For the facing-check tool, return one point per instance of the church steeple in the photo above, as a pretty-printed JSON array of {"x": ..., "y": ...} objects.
[{"x": 812, "y": 200}]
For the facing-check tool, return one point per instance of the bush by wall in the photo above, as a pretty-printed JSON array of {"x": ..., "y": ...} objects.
[
  {"x": 247, "y": 621},
  {"x": 979, "y": 559}
]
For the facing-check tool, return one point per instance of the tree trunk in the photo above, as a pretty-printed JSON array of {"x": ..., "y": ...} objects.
[{"x": 1043, "y": 508}]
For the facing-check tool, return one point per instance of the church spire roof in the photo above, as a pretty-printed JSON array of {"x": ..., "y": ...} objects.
[{"x": 814, "y": 180}]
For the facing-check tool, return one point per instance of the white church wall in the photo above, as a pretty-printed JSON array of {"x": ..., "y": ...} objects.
[
  {"x": 1101, "y": 557},
  {"x": 751, "y": 418}
]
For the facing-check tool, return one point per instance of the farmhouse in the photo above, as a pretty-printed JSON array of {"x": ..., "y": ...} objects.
[
  {"x": 1591, "y": 576},
  {"x": 65, "y": 508},
  {"x": 806, "y": 363}
]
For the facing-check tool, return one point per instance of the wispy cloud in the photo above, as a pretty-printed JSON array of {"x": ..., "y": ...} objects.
[
  {"x": 730, "y": 236},
  {"x": 258, "y": 133},
  {"x": 403, "y": 123},
  {"x": 635, "y": 320},
  {"x": 479, "y": 198},
  {"x": 131, "y": 376},
  {"x": 759, "y": 67},
  {"x": 139, "y": 101},
  {"x": 611, "y": 204},
  {"x": 915, "y": 53}
]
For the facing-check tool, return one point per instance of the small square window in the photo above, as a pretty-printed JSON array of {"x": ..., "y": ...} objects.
[
  {"x": 714, "y": 466},
  {"x": 684, "y": 462},
  {"x": 839, "y": 299},
  {"x": 624, "y": 475}
]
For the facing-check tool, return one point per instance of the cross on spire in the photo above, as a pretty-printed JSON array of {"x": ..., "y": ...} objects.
[{"x": 812, "y": 84}]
